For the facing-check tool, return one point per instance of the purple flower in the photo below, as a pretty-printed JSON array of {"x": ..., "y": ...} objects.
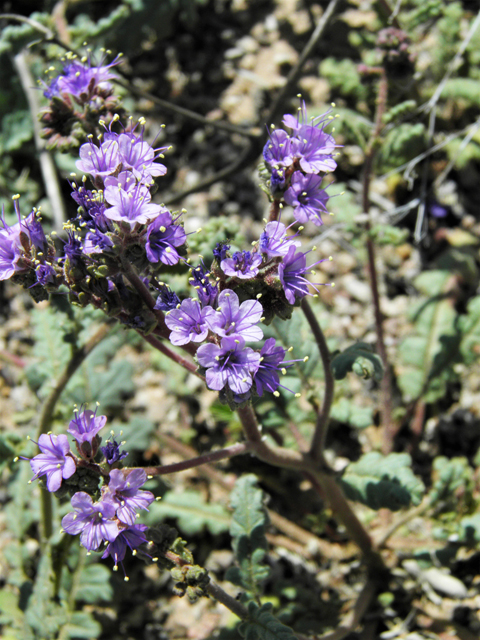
[
  {"x": 220, "y": 251},
  {"x": 10, "y": 251},
  {"x": 99, "y": 161},
  {"x": 274, "y": 241},
  {"x": 271, "y": 360},
  {"x": 124, "y": 492},
  {"x": 291, "y": 272},
  {"x": 93, "y": 520},
  {"x": 243, "y": 264},
  {"x": 280, "y": 149},
  {"x": 82, "y": 80},
  {"x": 55, "y": 460},
  {"x": 73, "y": 248},
  {"x": 206, "y": 292},
  {"x": 129, "y": 538},
  {"x": 315, "y": 150},
  {"x": 162, "y": 238},
  {"x": 232, "y": 364},
  {"x": 96, "y": 242},
  {"x": 305, "y": 195},
  {"x": 234, "y": 320},
  {"x": 112, "y": 453},
  {"x": 188, "y": 323},
  {"x": 45, "y": 274},
  {"x": 92, "y": 207},
  {"x": 131, "y": 206},
  {"x": 85, "y": 426},
  {"x": 139, "y": 157},
  {"x": 167, "y": 299}
]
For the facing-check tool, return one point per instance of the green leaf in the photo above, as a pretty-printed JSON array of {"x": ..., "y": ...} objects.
[
  {"x": 94, "y": 584},
  {"x": 296, "y": 333},
  {"x": 350, "y": 412},
  {"x": 470, "y": 329},
  {"x": 466, "y": 89},
  {"x": 470, "y": 528},
  {"x": 383, "y": 481},
  {"x": 359, "y": 358},
  {"x": 427, "y": 356},
  {"x": 191, "y": 513},
  {"x": 450, "y": 475},
  {"x": 137, "y": 434},
  {"x": 402, "y": 144},
  {"x": 263, "y": 625},
  {"x": 82, "y": 625},
  {"x": 248, "y": 532}
]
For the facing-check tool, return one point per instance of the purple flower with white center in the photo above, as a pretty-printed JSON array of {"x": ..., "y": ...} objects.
[
  {"x": 305, "y": 195},
  {"x": 315, "y": 150},
  {"x": 234, "y": 320},
  {"x": 163, "y": 236},
  {"x": 279, "y": 150},
  {"x": 167, "y": 299},
  {"x": 206, "y": 292},
  {"x": 188, "y": 323},
  {"x": 131, "y": 206},
  {"x": 55, "y": 460},
  {"x": 124, "y": 491},
  {"x": 232, "y": 364},
  {"x": 99, "y": 161},
  {"x": 129, "y": 538},
  {"x": 271, "y": 361},
  {"x": 274, "y": 241},
  {"x": 220, "y": 251},
  {"x": 78, "y": 79},
  {"x": 243, "y": 265},
  {"x": 93, "y": 520},
  {"x": 112, "y": 453},
  {"x": 291, "y": 272},
  {"x": 139, "y": 157}
]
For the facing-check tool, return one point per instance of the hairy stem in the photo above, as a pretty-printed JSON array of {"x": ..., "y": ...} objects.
[
  {"x": 321, "y": 428},
  {"x": 212, "y": 456},
  {"x": 191, "y": 367}
]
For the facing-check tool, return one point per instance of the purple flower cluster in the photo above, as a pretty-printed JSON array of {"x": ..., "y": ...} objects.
[
  {"x": 294, "y": 162},
  {"x": 111, "y": 518}
]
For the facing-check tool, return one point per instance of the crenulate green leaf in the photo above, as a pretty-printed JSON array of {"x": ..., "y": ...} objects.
[
  {"x": 383, "y": 481},
  {"x": 359, "y": 358},
  {"x": 263, "y": 625}
]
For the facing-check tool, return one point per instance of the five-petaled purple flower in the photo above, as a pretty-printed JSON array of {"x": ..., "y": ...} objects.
[
  {"x": 131, "y": 206},
  {"x": 243, "y": 265},
  {"x": 129, "y": 538},
  {"x": 234, "y": 320},
  {"x": 93, "y": 520},
  {"x": 274, "y": 241},
  {"x": 124, "y": 491},
  {"x": 305, "y": 195},
  {"x": 55, "y": 460},
  {"x": 188, "y": 323},
  {"x": 291, "y": 272},
  {"x": 163, "y": 236},
  {"x": 232, "y": 364}
]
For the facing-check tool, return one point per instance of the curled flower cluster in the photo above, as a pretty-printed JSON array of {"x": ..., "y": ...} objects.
[
  {"x": 295, "y": 163},
  {"x": 102, "y": 517},
  {"x": 79, "y": 95}
]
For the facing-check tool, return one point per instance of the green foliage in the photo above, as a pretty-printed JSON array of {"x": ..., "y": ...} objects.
[
  {"x": 462, "y": 89},
  {"x": 343, "y": 77},
  {"x": 359, "y": 358},
  {"x": 349, "y": 412},
  {"x": 355, "y": 128},
  {"x": 191, "y": 513},
  {"x": 451, "y": 475},
  {"x": 386, "y": 234},
  {"x": 469, "y": 326},
  {"x": 427, "y": 355},
  {"x": 248, "y": 532},
  {"x": 426, "y": 10},
  {"x": 296, "y": 333},
  {"x": 94, "y": 584},
  {"x": 470, "y": 529},
  {"x": 137, "y": 433},
  {"x": 17, "y": 128},
  {"x": 402, "y": 144},
  {"x": 382, "y": 481},
  {"x": 399, "y": 111},
  {"x": 262, "y": 625},
  {"x": 16, "y": 36},
  {"x": 213, "y": 231}
]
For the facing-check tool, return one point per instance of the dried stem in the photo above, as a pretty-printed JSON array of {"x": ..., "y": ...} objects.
[
  {"x": 321, "y": 428},
  {"x": 212, "y": 456},
  {"x": 386, "y": 410}
]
